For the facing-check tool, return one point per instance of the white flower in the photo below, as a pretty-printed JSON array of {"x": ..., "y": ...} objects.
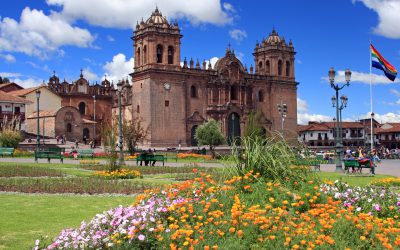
[
  {"x": 369, "y": 200},
  {"x": 358, "y": 209}
]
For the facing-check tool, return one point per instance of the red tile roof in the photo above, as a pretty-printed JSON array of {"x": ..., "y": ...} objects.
[
  {"x": 7, "y": 97},
  {"x": 394, "y": 129},
  {"x": 24, "y": 92}
]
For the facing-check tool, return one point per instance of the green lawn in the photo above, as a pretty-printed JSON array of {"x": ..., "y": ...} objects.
[
  {"x": 351, "y": 180},
  {"x": 24, "y": 218}
]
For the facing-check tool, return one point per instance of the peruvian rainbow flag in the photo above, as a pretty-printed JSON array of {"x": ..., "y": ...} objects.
[{"x": 380, "y": 63}]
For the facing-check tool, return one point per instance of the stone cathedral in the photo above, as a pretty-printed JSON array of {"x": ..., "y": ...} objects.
[{"x": 174, "y": 99}]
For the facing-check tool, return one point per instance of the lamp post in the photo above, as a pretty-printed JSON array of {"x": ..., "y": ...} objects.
[
  {"x": 372, "y": 132},
  {"x": 343, "y": 104},
  {"x": 335, "y": 103},
  {"x": 94, "y": 119},
  {"x": 121, "y": 152},
  {"x": 37, "y": 119},
  {"x": 282, "y": 109}
]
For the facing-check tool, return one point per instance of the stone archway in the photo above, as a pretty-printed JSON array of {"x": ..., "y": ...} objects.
[
  {"x": 86, "y": 132},
  {"x": 233, "y": 127},
  {"x": 193, "y": 141}
]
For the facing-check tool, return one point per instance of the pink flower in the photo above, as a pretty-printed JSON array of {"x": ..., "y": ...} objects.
[{"x": 141, "y": 237}]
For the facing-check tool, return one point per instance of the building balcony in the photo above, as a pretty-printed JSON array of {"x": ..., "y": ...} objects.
[{"x": 10, "y": 115}]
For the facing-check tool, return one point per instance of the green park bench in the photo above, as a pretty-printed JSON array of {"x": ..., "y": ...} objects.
[
  {"x": 51, "y": 153},
  {"x": 150, "y": 158},
  {"x": 85, "y": 153},
  {"x": 7, "y": 152},
  {"x": 171, "y": 156},
  {"x": 356, "y": 165}
]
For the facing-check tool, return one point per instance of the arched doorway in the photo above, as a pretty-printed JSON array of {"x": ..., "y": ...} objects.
[
  {"x": 82, "y": 108},
  {"x": 233, "y": 127},
  {"x": 193, "y": 140},
  {"x": 85, "y": 133}
]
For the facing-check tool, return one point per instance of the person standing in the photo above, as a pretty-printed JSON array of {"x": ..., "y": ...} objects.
[
  {"x": 84, "y": 139},
  {"x": 76, "y": 144}
]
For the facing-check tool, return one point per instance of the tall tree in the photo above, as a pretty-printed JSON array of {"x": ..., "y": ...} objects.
[
  {"x": 134, "y": 132},
  {"x": 210, "y": 134}
]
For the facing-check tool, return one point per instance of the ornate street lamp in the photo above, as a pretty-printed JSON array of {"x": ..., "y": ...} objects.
[
  {"x": 335, "y": 103},
  {"x": 37, "y": 121},
  {"x": 121, "y": 152}
]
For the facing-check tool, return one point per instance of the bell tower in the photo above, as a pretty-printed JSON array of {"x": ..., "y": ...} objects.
[
  {"x": 273, "y": 57},
  {"x": 156, "y": 43}
]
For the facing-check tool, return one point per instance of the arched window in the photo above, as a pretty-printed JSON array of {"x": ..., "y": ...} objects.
[
  {"x": 145, "y": 54},
  {"x": 279, "y": 67},
  {"x": 159, "y": 53},
  {"x": 170, "y": 55},
  {"x": 138, "y": 56},
  {"x": 287, "y": 68},
  {"x": 193, "y": 91},
  {"x": 69, "y": 127},
  {"x": 137, "y": 109},
  {"x": 234, "y": 92},
  {"x": 82, "y": 108},
  {"x": 267, "y": 67},
  {"x": 260, "y": 66},
  {"x": 260, "y": 96}
]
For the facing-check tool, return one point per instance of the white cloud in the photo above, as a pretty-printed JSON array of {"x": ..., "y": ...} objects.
[
  {"x": 213, "y": 61},
  {"x": 8, "y": 58},
  {"x": 38, "y": 34},
  {"x": 361, "y": 77},
  {"x": 395, "y": 92},
  {"x": 303, "y": 117},
  {"x": 389, "y": 18},
  {"x": 125, "y": 13},
  {"x": 119, "y": 68},
  {"x": 238, "y": 34},
  {"x": 302, "y": 105},
  {"x": 90, "y": 75},
  {"x": 27, "y": 82},
  {"x": 229, "y": 7},
  {"x": 9, "y": 74},
  {"x": 383, "y": 118},
  {"x": 110, "y": 38}
]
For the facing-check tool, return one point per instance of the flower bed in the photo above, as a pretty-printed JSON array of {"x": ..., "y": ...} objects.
[
  {"x": 244, "y": 213},
  {"x": 119, "y": 174},
  {"x": 193, "y": 156},
  {"x": 89, "y": 162},
  {"x": 72, "y": 185},
  {"x": 387, "y": 182},
  {"x": 24, "y": 171},
  {"x": 378, "y": 201}
]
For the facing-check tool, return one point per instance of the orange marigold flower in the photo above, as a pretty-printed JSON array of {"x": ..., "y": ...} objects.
[
  {"x": 239, "y": 233},
  {"x": 362, "y": 237}
]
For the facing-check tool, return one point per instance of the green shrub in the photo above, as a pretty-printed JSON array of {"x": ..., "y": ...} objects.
[{"x": 10, "y": 138}]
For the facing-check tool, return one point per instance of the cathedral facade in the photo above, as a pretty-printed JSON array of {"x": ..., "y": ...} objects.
[{"x": 173, "y": 100}]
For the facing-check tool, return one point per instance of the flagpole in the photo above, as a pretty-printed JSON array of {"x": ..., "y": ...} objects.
[{"x": 370, "y": 94}]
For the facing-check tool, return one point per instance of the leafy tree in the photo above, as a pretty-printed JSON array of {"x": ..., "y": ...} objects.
[
  {"x": 110, "y": 138},
  {"x": 5, "y": 80},
  {"x": 134, "y": 132},
  {"x": 210, "y": 134}
]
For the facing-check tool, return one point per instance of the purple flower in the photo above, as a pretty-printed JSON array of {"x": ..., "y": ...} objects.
[{"x": 141, "y": 237}]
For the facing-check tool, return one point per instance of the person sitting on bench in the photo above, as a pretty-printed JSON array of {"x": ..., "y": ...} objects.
[{"x": 143, "y": 156}]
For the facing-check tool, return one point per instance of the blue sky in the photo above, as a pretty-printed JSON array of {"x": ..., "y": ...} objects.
[{"x": 37, "y": 37}]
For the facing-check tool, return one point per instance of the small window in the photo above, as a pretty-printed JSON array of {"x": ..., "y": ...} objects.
[
  {"x": 82, "y": 108},
  {"x": 267, "y": 67},
  {"x": 141, "y": 85},
  {"x": 260, "y": 65},
  {"x": 287, "y": 68},
  {"x": 311, "y": 135},
  {"x": 69, "y": 127},
  {"x": 159, "y": 53},
  {"x": 170, "y": 55},
  {"x": 137, "y": 109},
  {"x": 234, "y": 92},
  {"x": 167, "y": 103},
  {"x": 145, "y": 54},
  {"x": 193, "y": 91},
  {"x": 138, "y": 56},
  {"x": 17, "y": 110},
  {"x": 280, "y": 67},
  {"x": 260, "y": 96}
]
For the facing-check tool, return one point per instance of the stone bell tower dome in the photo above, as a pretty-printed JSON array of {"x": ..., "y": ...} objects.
[
  {"x": 157, "y": 43},
  {"x": 274, "y": 57}
]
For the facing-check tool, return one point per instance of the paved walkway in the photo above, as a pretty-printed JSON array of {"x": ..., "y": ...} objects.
[{"x": 386, "y": 167}]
